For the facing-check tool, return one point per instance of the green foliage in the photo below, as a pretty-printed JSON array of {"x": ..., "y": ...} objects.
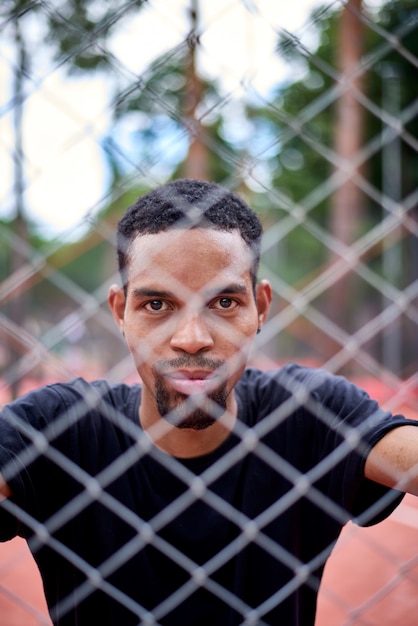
[
  {"x": 302, "y": 114},
  {"x": 297, "y": 124},
  {"x": 399, "y": 64},
  {"x": 76, "y": 30},
  {"x": 158, "y": 108}
]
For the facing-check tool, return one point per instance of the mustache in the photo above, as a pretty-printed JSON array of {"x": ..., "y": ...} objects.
[{"x": 189, "y": 362}]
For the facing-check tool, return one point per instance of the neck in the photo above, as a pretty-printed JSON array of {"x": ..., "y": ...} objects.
[{"x": 187, "y": 442}]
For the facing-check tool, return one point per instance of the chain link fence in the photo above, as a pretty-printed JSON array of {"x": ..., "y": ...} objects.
[{"x": 315, "y": 123}]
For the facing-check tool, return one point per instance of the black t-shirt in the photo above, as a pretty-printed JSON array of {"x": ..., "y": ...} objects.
[{"x": 125, "y": 534}]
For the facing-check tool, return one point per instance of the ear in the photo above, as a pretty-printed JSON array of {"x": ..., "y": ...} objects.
[
  {"x": 264, "y": 298},
  {"x": 116, "y": 300}
]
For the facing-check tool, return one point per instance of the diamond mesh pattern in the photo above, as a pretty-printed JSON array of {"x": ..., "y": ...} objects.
[{"x": 340, "y": 246}]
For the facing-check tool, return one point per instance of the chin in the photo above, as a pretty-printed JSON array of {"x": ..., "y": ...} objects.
[
  {"x": 198, "y": 420},
  {"x": 193, "y": 412}
]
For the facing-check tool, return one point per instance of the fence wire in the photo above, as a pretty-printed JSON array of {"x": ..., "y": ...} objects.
[{"x": 320, "y": 136}]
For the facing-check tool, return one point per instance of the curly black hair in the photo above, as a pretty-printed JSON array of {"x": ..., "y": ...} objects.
[{"x": 186, "y": 203}]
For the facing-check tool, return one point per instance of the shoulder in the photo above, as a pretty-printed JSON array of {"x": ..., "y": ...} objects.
[
  {"x": 78, "y": 395},
  {"x": 286, "y": 380},
  {"x": 306, "y": 391},
  {"x": 74, "y": 389},
  {"x": 94, "y": 392},
  {"x": 259, "y": 392},
  {"x": 293, "y": 378}
]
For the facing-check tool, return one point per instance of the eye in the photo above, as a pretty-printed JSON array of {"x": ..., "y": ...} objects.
[
  {"x": 224, "y": 303},
  {"x": 156, "y": 305}
]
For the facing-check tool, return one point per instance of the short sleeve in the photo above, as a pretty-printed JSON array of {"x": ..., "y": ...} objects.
[
  {"x": 21, "y": 444},
  {"x": 353, "y": 423}
]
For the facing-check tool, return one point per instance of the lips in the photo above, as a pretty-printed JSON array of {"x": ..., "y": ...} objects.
[{"x": 192, "y": 382}]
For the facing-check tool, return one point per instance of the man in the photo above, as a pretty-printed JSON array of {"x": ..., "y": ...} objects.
[{"x": 211, "y": 494}]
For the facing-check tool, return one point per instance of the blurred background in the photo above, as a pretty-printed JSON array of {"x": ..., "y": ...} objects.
[{"x": 308, "y": 109}]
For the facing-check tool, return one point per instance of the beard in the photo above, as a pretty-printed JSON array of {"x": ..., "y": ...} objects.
[{"x": 198, "y": 411}]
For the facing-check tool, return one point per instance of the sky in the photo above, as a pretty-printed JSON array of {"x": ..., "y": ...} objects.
[{"x": 65, "y": 118}]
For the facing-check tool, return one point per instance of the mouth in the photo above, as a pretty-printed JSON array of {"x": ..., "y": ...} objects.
[{"x": 190, "y": 382}]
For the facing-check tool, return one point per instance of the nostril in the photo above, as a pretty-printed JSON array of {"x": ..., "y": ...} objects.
[{"x": 192, "y": 337}]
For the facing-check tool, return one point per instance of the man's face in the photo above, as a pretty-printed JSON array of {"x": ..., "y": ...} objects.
[{"x": 189, "y": 318}]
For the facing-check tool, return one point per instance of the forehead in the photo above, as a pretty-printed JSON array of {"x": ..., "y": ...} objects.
[{"x": 196, "y": 256}]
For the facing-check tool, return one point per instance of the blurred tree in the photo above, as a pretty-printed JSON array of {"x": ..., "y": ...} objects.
[
  {"x": 75, "y": 33},
  {"x": 302, "y": 154},
  {"x": 197, "y": 161},
  {"x": 181, "y": 121},
  {"x": 347, "y": 200},
  {"x": 176, "y": 118},
  {"x": 307, "y": 119}
]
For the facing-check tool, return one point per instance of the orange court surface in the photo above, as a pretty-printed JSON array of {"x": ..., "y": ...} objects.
[{"x": 371, "y": 579}]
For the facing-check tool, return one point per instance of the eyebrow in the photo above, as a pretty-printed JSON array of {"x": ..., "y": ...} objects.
[
  {"x": 233, "y": 289},
  {"x": 145, "y": 292}
]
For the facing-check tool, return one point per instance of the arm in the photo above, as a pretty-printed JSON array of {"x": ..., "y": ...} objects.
[
  {"x": 4, "y": 488},
  {"x": 393, "y": 461}
]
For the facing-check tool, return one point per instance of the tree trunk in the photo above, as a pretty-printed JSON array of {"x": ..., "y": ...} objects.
[
  {"x": 17, "y": 307},
  {"x": 347, "y": 203},
  {"x": 196, "y": 164}
]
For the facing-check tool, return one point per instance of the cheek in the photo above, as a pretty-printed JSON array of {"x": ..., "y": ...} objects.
[
  {"x": 142, "y": 348},
  {"x": 237, "y": 327},
  {"x": 239, "y": 338},
  {"x": 237, "y": 356}
]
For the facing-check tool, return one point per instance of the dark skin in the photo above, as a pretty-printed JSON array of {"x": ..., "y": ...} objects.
[{"x": 189, "y": 317}]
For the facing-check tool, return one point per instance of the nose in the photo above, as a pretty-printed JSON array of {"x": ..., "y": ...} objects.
[{"x": 191, "y": 334}]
